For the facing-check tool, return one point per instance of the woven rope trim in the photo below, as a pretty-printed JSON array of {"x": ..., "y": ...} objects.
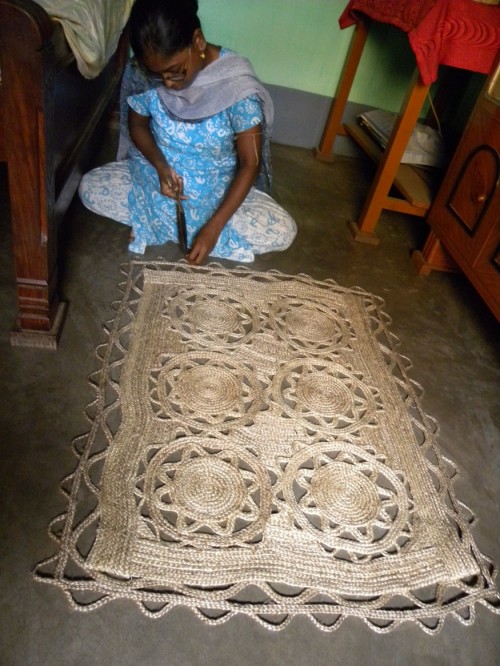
[{"x": 207, "y": 496}]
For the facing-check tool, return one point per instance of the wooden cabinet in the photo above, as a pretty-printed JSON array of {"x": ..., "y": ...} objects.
[{"x": 465, "y": 215}]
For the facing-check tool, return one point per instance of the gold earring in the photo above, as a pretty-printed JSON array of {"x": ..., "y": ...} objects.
[{"x": 203, "y": 55}]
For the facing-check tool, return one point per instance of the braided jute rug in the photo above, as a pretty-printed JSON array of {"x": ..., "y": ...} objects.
[{"x": 256, "y": 446}]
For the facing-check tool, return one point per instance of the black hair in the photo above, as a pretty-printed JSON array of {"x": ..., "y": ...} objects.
[{"x": 162, "y": 26}]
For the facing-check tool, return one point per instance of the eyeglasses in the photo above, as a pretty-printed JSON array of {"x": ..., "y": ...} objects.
[{"x": 172, "y": 77}]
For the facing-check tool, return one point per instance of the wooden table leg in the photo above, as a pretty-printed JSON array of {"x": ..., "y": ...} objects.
[
  {"x": 333, "y": 124},
  {"x": 391, "y": 159}
]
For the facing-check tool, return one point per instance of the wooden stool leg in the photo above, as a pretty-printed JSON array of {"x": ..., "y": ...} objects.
[
  {"x": 334, "y": 122},
  {"x": 391, "y": 159}
]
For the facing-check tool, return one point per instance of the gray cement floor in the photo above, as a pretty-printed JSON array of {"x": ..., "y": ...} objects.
[{"x": 444, "y": 329}]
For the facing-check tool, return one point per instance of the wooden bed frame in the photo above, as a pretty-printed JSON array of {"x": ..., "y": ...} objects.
[{"x": 50, "y": 122}]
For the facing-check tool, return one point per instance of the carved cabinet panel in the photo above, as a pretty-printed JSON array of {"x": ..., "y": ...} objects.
[{"x": 466, "y": 212}]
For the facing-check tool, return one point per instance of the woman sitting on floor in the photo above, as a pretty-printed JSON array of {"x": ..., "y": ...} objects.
[{"x": 199, "y": 124}]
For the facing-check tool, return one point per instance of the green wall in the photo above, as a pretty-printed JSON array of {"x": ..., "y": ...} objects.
[{"x": 298, "y": 44}]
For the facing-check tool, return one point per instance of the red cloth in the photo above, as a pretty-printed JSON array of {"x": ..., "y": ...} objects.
[{"x": 460, "y": 33}]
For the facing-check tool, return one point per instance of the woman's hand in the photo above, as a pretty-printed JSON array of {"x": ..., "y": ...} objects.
[
  {"x": 204, "y": 243},
  {"x": 171, "y": 183}
]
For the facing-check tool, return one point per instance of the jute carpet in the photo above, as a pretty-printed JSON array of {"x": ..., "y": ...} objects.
[{"x": 256, "y": 446}]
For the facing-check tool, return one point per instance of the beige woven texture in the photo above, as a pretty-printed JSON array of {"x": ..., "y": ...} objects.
[{"x": 270, "y": 457}]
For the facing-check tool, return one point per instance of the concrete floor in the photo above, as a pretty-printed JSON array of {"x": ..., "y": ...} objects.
[{"x": 444, "y": 329}]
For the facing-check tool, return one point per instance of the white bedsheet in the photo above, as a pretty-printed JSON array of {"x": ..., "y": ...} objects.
[{"x": 92, "y": 28}]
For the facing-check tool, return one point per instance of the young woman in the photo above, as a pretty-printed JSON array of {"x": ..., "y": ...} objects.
[{"x": 199, "y": 125}]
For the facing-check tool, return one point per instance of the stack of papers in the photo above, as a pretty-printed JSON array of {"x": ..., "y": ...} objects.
[{"x": 425, "y": 147}]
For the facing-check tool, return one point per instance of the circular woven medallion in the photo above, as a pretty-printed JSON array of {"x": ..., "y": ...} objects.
[
  {"x": 309, "y": 327},
  {"x": 209, "y": 489},
  {"x": 344, "y": 494},
  {"x": 313, "y": 325},
  {"x": 347, "y": 498},
  {"x": 207, "y": 391},
  {"x": 325, "y": 396},
  {"x": 212, "y": 317},
  {"x": 207, "y": 492},
  {"x": 215, "y": 317}
]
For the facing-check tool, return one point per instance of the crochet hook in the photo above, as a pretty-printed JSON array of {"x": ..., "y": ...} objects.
[{"x": 181, "y": 225}]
